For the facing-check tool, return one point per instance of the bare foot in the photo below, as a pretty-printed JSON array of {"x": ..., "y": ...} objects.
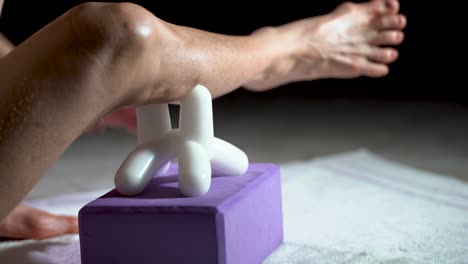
[
  {"x": 25, "y": 222},
  {"x": 346, "y": 43}
]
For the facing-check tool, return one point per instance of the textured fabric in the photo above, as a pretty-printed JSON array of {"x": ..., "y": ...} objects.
[{"x": 349, "y": 208}]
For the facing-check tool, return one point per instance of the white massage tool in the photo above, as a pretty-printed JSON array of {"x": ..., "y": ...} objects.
[{"x": 194, "y": 144}]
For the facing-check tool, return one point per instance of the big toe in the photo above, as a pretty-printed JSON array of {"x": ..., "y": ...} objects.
[{"x": 384, "y": 7}]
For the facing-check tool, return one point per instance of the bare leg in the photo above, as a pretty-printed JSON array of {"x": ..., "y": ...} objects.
[
  {"x": 92, "y": 60},
  {"x": 27, "y": 222},
  {"x": 343, "y": 44},
  {"x": 100, "y": 57},
  {"x": 5, "y": 46}
]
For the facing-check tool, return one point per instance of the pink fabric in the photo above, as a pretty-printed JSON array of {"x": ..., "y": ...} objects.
[{"x": 121, "y": 118}]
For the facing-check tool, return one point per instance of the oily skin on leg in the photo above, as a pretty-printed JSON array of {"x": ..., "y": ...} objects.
[{"x": 98, "y": 58}]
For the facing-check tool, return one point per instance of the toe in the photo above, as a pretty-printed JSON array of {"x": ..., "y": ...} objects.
[
  {"x": 384, "y": 7},
  {"x": 389, "y": 37},
  {"x": 389, "y": 22},
  {"x": 373, "y": 69},
  {"x": 360, "y": 66},
  {"x": 383, "y": 55},
  {"x": 393, "y": 6}
]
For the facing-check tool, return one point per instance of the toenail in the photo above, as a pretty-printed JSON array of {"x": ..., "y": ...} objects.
[
  {"x": 400, "y": 36},
  {"x": 383, "y": 8},
  {"x": 390, "y": 54},
  {"x": 402, "y": 21},
  {"x": 399, "y": 21}
]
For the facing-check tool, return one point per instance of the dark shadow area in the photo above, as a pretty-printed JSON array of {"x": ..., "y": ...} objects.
[
  {"x": 162, "y": 187},
  {"x": 161, "y": 192}
]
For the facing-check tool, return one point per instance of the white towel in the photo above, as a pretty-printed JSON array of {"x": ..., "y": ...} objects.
[
  {"x": 350, "y": 208},
  {"x": 359, "y": 208}
]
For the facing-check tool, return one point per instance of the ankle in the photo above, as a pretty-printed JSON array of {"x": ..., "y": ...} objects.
[{"x": 277, "y": 46}]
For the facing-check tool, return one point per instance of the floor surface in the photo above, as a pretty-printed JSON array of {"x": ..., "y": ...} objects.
[{"x": 429, "y": 136}]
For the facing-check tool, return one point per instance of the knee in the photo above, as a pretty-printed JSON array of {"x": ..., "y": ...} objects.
[{"x": 117, "y": 27}]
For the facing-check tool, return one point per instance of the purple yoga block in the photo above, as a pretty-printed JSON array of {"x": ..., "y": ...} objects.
[{"x": 239, "y": 221}]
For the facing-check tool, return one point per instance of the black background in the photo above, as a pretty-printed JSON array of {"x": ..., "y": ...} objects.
[{"x": 429, "y": 68}]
